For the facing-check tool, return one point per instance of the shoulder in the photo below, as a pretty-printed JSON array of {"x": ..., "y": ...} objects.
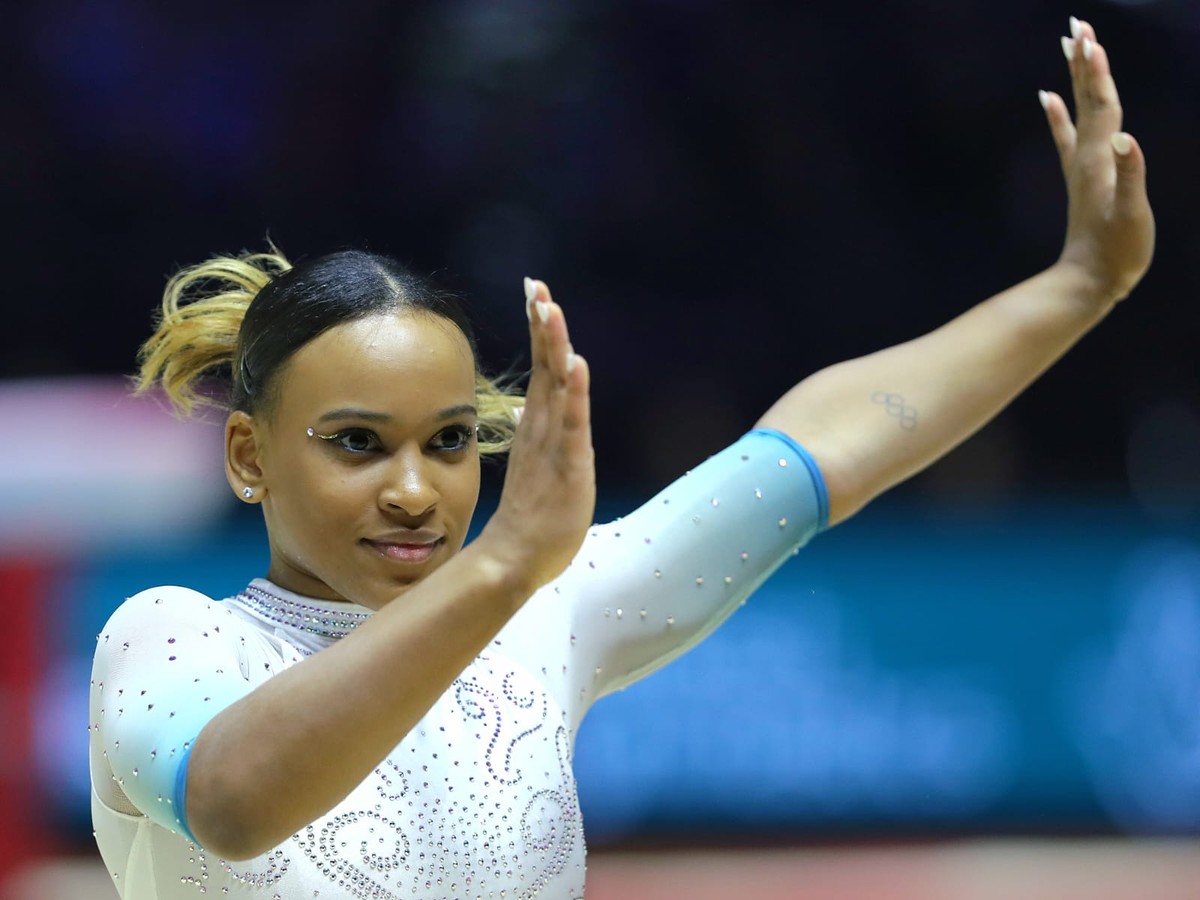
[{"x": 178, "y": 606}]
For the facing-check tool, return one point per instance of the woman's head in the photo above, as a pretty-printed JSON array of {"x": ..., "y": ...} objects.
[
  {"x": 354, "y": 403},
  {"x": 229, "y": 326},
  {"x": 305, "y": 300}
]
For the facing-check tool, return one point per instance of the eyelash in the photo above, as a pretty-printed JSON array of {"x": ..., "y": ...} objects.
[{"x": 337, "y": 439}]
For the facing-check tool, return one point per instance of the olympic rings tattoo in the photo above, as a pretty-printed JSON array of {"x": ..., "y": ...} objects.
[{"x": 895, "y": 406}]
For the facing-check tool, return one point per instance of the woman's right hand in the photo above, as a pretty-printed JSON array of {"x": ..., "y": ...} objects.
[{"x": 549, "y": 495}]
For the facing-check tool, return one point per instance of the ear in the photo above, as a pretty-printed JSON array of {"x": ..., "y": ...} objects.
[{"x": 243, "y": 448}]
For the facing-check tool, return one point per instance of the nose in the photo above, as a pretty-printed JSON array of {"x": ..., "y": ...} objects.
[{"x": 408, "y": 487}]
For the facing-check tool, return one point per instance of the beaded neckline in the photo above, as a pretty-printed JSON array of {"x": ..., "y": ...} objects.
[{"x": 302, "y": 614}]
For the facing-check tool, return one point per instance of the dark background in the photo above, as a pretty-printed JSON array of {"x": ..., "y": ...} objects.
[{"x": 725, "y": 197}]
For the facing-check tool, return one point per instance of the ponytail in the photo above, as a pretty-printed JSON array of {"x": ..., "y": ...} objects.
[{"x": 196, "y": 337}]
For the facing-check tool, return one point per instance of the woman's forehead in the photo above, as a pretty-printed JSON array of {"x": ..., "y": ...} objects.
[{"x": 389, "y": 356}]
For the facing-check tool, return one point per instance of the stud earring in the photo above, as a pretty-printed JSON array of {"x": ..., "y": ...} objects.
[{"x": 247, "y": 492}]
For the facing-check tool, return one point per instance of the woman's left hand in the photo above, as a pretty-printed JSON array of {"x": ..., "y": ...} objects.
[{"x": 1110, "y": 227}]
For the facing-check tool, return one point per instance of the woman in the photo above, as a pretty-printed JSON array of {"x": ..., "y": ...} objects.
[{"x": 390, "y": 714}]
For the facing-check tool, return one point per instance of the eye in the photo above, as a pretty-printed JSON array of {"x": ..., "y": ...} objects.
[
  {"x": 453, "y": 439},
  {"x": 353, "y": 440}
]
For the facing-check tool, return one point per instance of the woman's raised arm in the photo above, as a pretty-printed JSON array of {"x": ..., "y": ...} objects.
[{"x": 874, "y": 421}]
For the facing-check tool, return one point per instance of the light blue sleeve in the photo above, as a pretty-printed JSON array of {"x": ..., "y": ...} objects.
[
  {"x": 167, "y": 661},
  {"x": 649, "y": 586}
]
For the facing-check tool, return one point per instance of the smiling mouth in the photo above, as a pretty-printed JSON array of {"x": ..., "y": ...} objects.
[{"x": 404, "y": 553}]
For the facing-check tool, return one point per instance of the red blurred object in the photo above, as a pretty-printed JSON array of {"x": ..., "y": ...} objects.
[{"x": 23, "y": 596}]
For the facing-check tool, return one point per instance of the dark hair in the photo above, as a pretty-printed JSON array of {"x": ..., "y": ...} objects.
[
  {"x": 314, "y": 296},
  {"x": 241, "y": 319}
]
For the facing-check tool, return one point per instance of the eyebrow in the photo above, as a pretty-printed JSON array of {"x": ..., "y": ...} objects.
[{"x": 353, "y": 412}]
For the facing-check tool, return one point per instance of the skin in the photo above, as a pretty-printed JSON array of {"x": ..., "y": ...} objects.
[
  {"x": 377, "y": 682},
  {"x": 383, "y": 493},
  {"x": 957, "y": 378}
]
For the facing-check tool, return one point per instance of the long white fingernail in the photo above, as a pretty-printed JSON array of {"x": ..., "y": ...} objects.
[
  {"x": 1068, "y": 46},
  {"x": 1087, "y": 48},
  {"x": 1044, "y": 99},
  {"x": 570, "y": 363},
  {"x": 517, "y": 412},
  {"x": 530, "y": 293},
  {"x": 543, "y": 311},
  {"x": 1075, "y": 28},
  {"x": 1121, "y": 143}
]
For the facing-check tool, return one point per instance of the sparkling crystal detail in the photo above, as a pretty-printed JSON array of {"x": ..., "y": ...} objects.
[{"x": 330, "y": 623}]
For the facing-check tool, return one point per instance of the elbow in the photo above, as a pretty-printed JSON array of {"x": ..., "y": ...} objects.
[
  {"x": 232, "y": 834},
  {"x": 230, "y": 846},
  {"x": 227, "y": 817},
  {"x": 227, "y": 831}
]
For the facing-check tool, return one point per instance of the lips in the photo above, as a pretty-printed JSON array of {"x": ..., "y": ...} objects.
[{"x": 413, "y": 547}]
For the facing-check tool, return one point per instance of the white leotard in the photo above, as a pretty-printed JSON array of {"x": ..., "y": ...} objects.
[{"x": 479, "y": 799}]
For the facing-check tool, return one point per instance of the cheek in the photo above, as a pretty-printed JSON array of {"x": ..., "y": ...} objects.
[
  {"x": 467, "y": 487},
  {"x": 319, "y": 502}
]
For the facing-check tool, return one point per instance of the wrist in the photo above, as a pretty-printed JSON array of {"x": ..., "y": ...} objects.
[
  {"x": 1078, "y": 282},
  {"x": 502, "y": 565}
]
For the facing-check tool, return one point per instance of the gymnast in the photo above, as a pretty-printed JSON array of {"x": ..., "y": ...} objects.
[{"x": 389, "y": 713}]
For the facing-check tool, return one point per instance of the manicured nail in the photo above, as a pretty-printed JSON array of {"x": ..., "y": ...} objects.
[
  {"x": 1068, "y": 46},
  {"x": 1121, "y": 143},
  {"x": 517, "y": 412},
  {"x": 543, "y": 311},
  {"x": 1075, "y": 29},
  {"x": 530, "y": 294},
  {"x": 1087, "y": 48},
  {"x": 1044, "y": 99},
  {"x": 570, "y": 363}
]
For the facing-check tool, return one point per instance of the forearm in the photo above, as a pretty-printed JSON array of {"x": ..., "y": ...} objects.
[
  {"x": 299, "y": 743},
  {"x": 872, "y": 422}
]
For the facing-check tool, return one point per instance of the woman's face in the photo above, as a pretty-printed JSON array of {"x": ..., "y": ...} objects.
[{"x": 381, "y": 491}]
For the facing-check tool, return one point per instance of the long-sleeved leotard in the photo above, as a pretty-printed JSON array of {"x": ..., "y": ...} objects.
[{"x": 479, "y": 799}]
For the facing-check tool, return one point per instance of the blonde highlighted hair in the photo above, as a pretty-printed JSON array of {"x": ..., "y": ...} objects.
[{"x": 228, "y": 325}]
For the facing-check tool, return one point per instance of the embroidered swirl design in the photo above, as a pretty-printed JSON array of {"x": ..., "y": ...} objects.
[
  {"x": 277, "y": 864},
  {"x": 387, "y": 789},
  {"x": 477, "y": 702},
  {"x": 550, "y": 821},
  {"x": 378, "y": 854}
]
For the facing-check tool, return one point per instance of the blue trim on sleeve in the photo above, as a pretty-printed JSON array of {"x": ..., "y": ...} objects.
[
  {"x": 181, "y": 795},
  {"x": 813, "y": 470}
]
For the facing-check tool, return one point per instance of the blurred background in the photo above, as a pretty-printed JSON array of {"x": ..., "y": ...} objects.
[{"x": 987, "y": 685}]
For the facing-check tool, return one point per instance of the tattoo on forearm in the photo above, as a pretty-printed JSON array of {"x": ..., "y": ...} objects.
[{"x": 894, "y": 405}]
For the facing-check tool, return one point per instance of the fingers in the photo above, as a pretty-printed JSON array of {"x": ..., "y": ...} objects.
[
  {"x": 1062, "y": 129},
  {"x": 1097, "y": 104},
  {"x": 557, "y": 369},
  {"x": 549, "y": 342},
  {"x": 1130, "y": 194}
]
